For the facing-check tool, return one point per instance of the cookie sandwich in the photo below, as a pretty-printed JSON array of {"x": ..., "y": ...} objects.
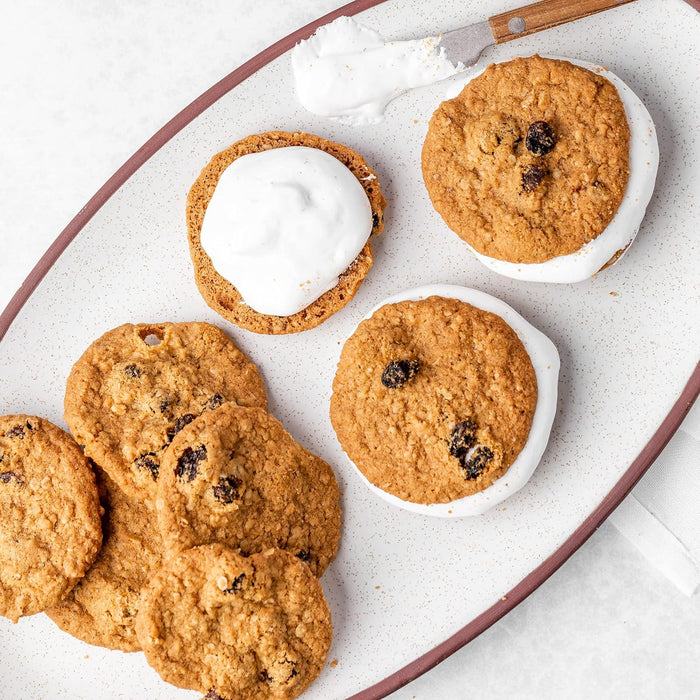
[
  {"x": 279, "y": 228},
  {"x": 544, "y": 167},
  {"x": 444, "y": 399}
]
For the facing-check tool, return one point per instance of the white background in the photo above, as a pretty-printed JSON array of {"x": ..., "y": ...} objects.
[{"x": 82, "y": 86}]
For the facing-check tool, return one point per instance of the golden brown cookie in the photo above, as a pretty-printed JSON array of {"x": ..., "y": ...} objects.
[
  {"x": 135, "y": 387},
  {"x": 235, "y": 627},
  {"x": 50, "y": 529},
  {"x": 433, "y": 399},
  {"x": 220, "y": 294},
  {"x": 530, "y": 161},
  {"x": 234, "y": 475},
  {"x": 102, "y": 607}
]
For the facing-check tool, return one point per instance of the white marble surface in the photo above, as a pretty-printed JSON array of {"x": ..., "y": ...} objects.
[{"x": 83, "y": 86}]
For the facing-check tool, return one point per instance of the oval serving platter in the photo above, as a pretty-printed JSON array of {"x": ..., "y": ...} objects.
[{"x": 405, "y": 590}]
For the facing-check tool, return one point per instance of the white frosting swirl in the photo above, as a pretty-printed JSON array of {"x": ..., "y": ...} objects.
[{"x": 283, "y": 224}]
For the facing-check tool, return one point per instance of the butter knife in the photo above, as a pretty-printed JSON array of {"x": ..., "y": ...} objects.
[{"x": 465, "y": 45}]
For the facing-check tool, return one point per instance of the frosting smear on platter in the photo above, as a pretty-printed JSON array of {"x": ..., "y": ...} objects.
[{"x": 348, "y": 72}]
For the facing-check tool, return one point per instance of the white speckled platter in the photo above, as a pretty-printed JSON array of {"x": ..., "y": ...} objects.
[{"x": 628, "y": 340}]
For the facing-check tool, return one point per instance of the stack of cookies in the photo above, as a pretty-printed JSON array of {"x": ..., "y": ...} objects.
[{"x": 216, "y": 523}]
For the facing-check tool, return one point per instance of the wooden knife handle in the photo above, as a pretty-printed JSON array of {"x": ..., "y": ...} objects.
[{"x": 543, "y": 15}]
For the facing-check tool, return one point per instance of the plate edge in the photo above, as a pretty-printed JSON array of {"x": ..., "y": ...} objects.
[{"x": 541, "y": 573}]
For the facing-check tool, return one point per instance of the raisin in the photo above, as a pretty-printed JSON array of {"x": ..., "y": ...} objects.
[
  {"x": 180, "y": 423},
  {"x": 531, "y": 177},
  {"x": 7, "y": 477},
  {"x": 212, "y": 695},
  {"x": 148, "y": 461},
  {"x": 398, "y": 373},
  {"x": 462, "y": 438},
  {"x": 16, "y": 431},
  {"x": 476, "y": 464},
  {"x": 187, "y": 466},
  {"x": 132, "y": 371},
  {"x": 164, "y": 405},
  {"x": 264, "y": 676},
  {"x": 540, "y": 138},
  {"x": 304, "y": 555},
  {"x": 214, "y": 402},
  {"x": 226, "y": 491},
  {"x": 236, "y": 585},
  {"x": 375, "y": 221}
]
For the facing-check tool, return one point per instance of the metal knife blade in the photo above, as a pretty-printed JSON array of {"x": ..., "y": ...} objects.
[{"x": 465, "y": 45}]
